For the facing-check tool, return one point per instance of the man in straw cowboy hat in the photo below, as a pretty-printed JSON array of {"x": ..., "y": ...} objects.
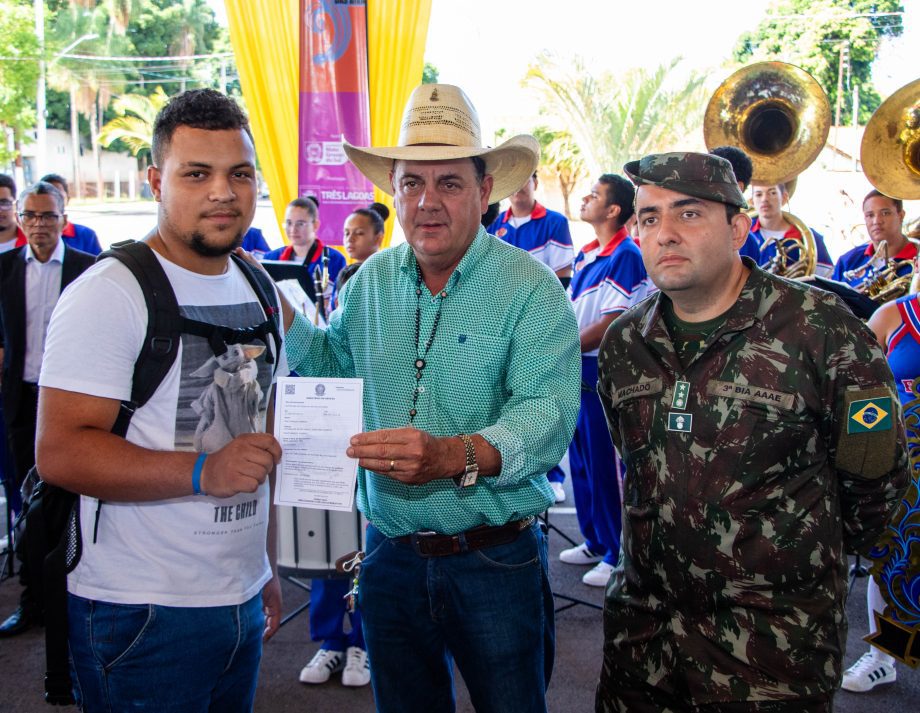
[
  {"x": 469, "y": 351},
  {"x": 761, "y": 434}
]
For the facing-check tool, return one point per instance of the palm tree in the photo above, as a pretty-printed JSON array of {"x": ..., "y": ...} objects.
[
  {"x": 90, "y": 84},
  {"x": 616, "y": 118},
  {"x": 560, "y": 156},
  {"x": 134, "y": 124}
]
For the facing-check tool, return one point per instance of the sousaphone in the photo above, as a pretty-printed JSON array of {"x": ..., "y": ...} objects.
[
  {"x": 890, "y": 155},
  {"x": 778, "y": 115}
]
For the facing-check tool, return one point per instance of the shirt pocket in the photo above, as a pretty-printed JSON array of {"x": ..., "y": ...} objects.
[
  {"x": 641, "y": 455},
  {"x": 474, "y": 385}
]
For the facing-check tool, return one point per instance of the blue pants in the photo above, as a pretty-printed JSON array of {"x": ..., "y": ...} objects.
[
  {"x": 165, "y": 659},
  {"x": 491, "y": 610},
  {"x": 596, "y": 472},
  {"x": 327, "y": 615}
]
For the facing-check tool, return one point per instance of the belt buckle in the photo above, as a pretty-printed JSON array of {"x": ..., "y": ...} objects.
[{"x": 417, "y": 538}]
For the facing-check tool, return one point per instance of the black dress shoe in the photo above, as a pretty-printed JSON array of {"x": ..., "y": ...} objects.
[{"x": 18, "y": 622}]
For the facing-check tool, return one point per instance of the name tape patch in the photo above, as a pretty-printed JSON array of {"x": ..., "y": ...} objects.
[
  {"x": 643, "y": 388},
  {"x": 750, "y": 392}
]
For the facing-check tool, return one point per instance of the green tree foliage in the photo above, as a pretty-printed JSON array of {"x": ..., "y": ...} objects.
[
  {"x": 810, "y": 34},
  {"x": 18, "y": 74},
  {"x": 133, "y": 126},
  {"x": 561, "y": 157},
  {"x": 616, "y": 117},
  {"x": 429, "y": 74}
]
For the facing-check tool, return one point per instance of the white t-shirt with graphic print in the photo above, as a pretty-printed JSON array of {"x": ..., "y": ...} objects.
[{"x": 192, "y": 551}]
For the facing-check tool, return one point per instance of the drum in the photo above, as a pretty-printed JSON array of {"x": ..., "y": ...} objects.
[{"x": 310, "y": 540}]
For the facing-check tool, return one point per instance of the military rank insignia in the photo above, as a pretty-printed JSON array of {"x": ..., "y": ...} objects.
[
  {"x": 680, "y": 422},
  {"x": 869, "y": 415},
  {"x": 681, "y": 393}
]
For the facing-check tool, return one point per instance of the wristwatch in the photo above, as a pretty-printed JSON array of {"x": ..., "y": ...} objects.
[{"x": 471, "y": 472}]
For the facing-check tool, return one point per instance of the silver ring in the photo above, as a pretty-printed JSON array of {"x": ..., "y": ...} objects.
[{"x": 392, "y": 465}]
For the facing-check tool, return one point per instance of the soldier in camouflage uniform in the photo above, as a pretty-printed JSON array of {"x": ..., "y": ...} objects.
[{"x": 761, "y": 434}]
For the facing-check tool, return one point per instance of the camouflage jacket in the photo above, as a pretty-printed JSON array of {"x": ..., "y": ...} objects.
[{"x": 733, "y": 573}]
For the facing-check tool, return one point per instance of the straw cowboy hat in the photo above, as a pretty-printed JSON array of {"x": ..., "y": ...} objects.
[{"x": 440, "y": 123}]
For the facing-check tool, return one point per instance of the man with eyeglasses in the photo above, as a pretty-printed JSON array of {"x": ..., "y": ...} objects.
[
  {"x": 32, "y": 278},
  {"x": 11, "y": 236}
]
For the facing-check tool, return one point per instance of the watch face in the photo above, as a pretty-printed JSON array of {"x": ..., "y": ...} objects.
[{"x": 468, "y": 478}]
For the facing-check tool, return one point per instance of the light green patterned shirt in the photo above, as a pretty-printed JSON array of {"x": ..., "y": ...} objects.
[{"x": 504, "y": 363}]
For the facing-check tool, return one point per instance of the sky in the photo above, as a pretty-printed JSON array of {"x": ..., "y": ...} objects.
[{"x": 485, "y": 46}]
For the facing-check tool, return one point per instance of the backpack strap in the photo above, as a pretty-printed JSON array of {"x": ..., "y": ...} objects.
[
  {"x": 264, "y": 288},
  {"x": 164, "y": 326}
]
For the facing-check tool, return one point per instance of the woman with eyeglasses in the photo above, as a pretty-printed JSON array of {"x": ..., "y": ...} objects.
[{"x": 301, "y": 219}]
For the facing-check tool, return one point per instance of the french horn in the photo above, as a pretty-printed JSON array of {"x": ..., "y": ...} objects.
[{"x": 780, "y": 117}]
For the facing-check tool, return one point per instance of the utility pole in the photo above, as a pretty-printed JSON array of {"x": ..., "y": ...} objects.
[
  {"x": 843, "y": 56},
  {"x": 41, "y": 129}
]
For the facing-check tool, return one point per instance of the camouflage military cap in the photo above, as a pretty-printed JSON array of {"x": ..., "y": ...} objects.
[{"x": 701, "y": 175}]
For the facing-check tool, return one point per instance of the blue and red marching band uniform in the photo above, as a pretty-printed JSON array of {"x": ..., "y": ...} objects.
[
  {"x": 861, "y": 254},
  {"x": 824, "y": 267},
  {"x": 605, "y": 281},
  {"x": 313, "y": 260},
  {"x": 903, "y": 349},
  {"x": 546, "y": 236}
]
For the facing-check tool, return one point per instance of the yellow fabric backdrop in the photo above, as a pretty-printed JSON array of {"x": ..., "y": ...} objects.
[
  {"x": 266, "y": 45},
  {"x": 396, "y": 35}
]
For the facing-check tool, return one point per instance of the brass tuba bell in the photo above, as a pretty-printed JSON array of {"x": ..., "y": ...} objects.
[
  {"x": 890, "y": 155},
  {"x": 890, "y": 150},
  {"x": 776, "y": 113},
  {"x": 780, "y": 117}
]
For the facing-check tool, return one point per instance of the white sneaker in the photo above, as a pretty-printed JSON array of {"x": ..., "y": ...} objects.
[
  {"x": 598, "y": 575},
  {"x": 357, "y": 670},
  {"x": 323, "y": 664},
  {"x": 558, "y": 492},
  {"x": 580, "y": 554},
  {"x": 867, "y": 673}
]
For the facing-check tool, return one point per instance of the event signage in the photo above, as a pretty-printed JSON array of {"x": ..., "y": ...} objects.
[{"x": 333, "y": 104}]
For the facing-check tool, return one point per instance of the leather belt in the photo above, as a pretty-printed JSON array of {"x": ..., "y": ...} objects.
[{"x": 432, "y": 544}]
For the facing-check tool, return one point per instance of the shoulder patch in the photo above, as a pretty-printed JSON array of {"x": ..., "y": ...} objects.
[{"x": 867, "y": 436}]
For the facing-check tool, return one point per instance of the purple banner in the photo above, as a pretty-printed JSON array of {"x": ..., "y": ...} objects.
[{"x": 333, "y": 105}]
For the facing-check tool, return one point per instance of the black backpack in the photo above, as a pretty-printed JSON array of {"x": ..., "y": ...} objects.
[{"x": 53, "y": 542}]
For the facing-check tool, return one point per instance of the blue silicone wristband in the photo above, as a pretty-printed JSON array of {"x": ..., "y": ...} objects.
[{"x": 196, "y": 473}]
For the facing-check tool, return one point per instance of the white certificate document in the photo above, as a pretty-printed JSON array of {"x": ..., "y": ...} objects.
[{"x": 314, "y": 422}]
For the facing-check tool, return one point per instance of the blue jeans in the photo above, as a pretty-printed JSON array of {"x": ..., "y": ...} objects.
[
  {"x": 491, "y": 610},
  {"x": 146, "y": 657}
]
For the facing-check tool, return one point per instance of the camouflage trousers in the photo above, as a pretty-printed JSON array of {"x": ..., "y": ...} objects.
[{"x": 621, "y": 691}]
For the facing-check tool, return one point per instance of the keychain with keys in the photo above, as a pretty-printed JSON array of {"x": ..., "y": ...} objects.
[{"x": 351, "y": 563}]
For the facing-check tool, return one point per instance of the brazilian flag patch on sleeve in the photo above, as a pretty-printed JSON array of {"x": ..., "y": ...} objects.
[{"x": 869, "y": 415}]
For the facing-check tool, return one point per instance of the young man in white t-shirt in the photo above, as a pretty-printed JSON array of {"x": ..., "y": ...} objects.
[{"x": 177, "y": 584}]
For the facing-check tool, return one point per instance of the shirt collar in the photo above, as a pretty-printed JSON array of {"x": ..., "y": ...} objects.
[
  {"x": 538, "y": 212},
  {"x": 748, "y": 308},
  {"x": 908, "y": 252},
  {"x": 56, "y": 256},
  {"x": 473, "y": 254},
  {"x": 792, "y": 232},
  {"x": 70, "y": 231}
]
